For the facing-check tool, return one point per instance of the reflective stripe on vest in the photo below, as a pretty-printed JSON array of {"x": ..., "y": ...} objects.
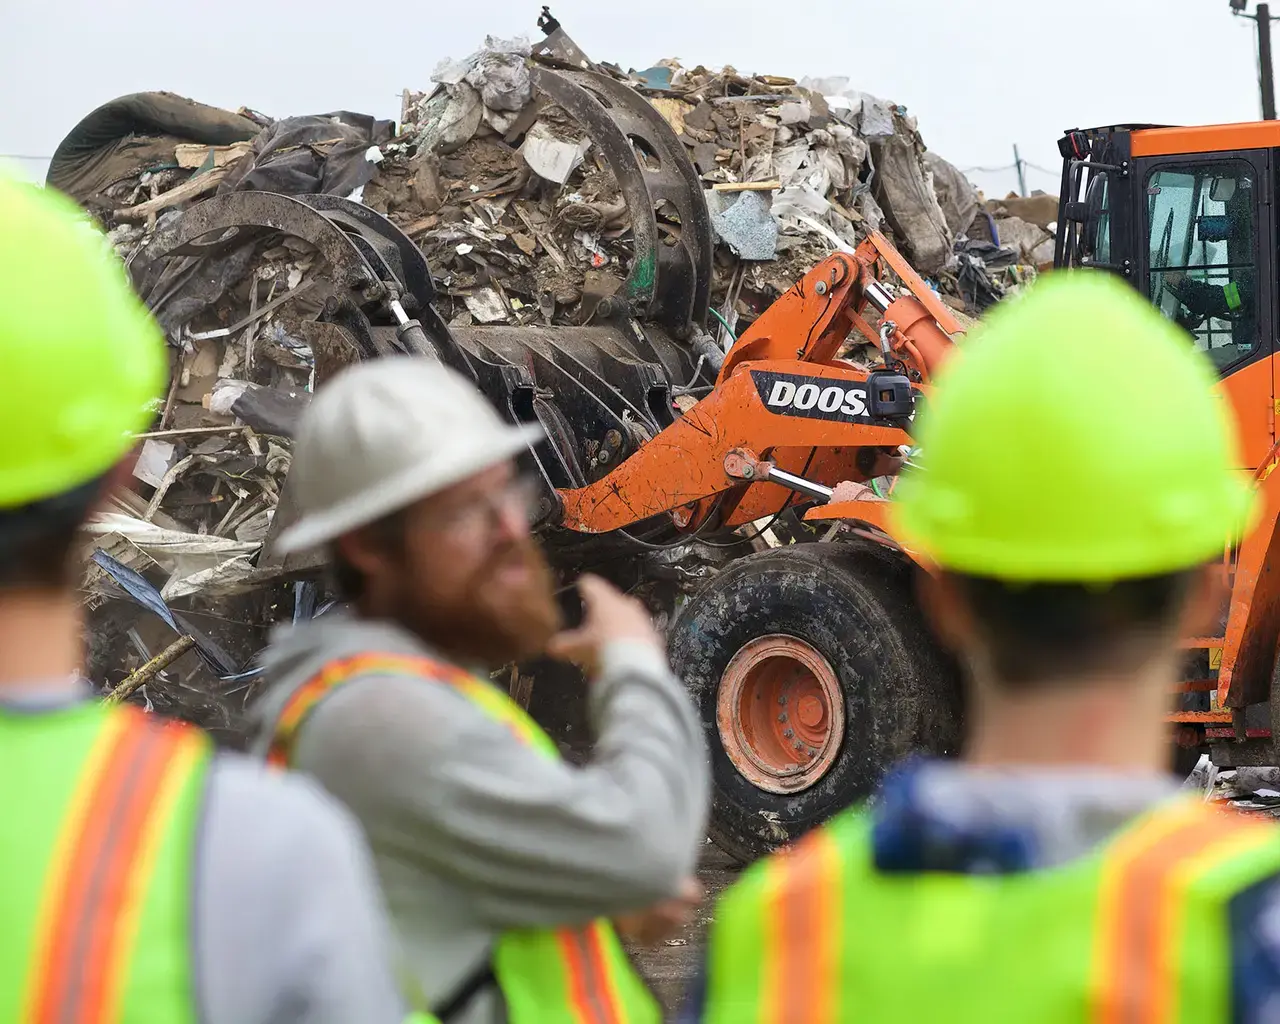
[
  {"x": 564, "y": 976},
  {"x": 1132, "y": 934},
  {"x": 116, "y": 831},
  {"x": 488, "y": 698},
  {"x": 1142, "y": 902}
]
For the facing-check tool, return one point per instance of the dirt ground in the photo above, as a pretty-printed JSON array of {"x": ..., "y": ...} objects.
[{"x": 671, "y": 966}]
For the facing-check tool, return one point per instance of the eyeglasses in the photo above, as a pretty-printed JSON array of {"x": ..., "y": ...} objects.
[{"x": 479, "y": 519}]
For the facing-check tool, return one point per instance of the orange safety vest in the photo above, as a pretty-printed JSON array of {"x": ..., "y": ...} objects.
[
  {"x": 96, "y": 845},
  {"x": 578, "y": 975},
  {"x": 1134, "y": 933}
]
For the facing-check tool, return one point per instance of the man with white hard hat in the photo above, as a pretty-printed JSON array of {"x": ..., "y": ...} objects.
[{"x": 501, "y": 863}]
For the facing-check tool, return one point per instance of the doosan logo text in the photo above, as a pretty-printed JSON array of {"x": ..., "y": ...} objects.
[{"x": 847, "y": 401}]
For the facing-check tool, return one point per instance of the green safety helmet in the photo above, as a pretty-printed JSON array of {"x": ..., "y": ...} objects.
[
  {"x": 81, "y": 360},
  {"x": 1076, "y": 436}
]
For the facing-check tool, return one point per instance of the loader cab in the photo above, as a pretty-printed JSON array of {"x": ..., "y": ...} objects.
[{"x": 1185, "y": 215}]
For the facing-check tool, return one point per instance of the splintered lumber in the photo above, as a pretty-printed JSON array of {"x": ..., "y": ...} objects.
[{"x": 151, "y": 669}]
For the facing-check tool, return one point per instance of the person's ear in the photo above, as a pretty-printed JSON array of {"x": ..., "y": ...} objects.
[
  {"x": 359, "y": 550},
  {"x": 945, "y": 610},
  {"x": 115, "y": 479},
  {"x": 1207, "y": 595}
]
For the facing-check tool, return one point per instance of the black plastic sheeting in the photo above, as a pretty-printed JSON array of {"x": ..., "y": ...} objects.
[
  {"x": 319, "y": 153},
  {"x": 137, "y": 587},
  {"x": 313, "y": 153},
  {"x": 138, "y": 130}
]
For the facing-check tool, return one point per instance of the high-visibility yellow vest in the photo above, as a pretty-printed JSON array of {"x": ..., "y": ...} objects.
[
  {"x": 1136, "y": 932},
  {"x": 572, "y": 975},
  {"x": 97, "y": 830}
]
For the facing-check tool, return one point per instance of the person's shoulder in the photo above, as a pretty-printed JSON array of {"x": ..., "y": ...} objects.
[
  {"x": 286, "y": 909},
  {"x": 267, "y": 812}
]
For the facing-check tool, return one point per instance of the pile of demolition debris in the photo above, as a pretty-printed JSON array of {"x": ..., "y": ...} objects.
[
  {"x": 518, "y": 213},
  {"x": 1249, "y": 790},
  {"x": 520, "y": 219}
]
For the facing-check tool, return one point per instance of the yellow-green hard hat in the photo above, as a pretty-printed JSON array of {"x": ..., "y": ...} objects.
[
  {"x": 1076, "y": 436},
  {"x": 80, "y": 357}
]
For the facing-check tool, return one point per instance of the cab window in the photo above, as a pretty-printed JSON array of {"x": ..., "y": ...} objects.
[
  {"x": 1098, "y": 225},
  {"x": 1201, "y": 231}
]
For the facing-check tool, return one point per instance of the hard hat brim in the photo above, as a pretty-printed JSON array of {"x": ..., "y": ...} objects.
[{"x": 411, "y": 485}]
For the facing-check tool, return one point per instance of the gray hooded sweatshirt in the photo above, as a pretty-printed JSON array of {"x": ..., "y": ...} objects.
[{"x": 473, "y": 831}]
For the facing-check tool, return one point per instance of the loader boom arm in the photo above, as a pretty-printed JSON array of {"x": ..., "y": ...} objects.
[{"x": 783, "y": 390}]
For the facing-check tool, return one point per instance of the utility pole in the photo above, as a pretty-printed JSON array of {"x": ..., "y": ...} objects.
[
  {"x": 1022, "y": 174},
  {"x": 1266, "y": 79}
]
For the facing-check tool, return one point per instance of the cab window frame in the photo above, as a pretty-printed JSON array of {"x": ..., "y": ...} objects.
[{"x": 1258, "y": 164}]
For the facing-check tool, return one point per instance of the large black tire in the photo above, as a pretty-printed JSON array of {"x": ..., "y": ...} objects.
[{"x": 853, "y": 605}]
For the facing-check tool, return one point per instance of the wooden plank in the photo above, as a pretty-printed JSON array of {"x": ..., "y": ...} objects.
[
  {"x": 193, "y": 155},
  {"x": 747, "y": 186},
  {"x": 189, "y": 189}
]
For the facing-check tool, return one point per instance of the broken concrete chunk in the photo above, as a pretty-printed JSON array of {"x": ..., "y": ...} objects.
[
  {"x": 486, "y": 305},
  {"x": 452, "y": 117},
  {"x": 745, "y": 223}
]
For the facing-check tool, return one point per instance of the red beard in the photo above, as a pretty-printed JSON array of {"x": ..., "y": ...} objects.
[{"x": 493, "y": 624}]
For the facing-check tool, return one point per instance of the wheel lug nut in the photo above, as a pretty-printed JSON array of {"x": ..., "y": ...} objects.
[
  {"x": 787, "y": 733},
  {"x": 782, "y": 717}
]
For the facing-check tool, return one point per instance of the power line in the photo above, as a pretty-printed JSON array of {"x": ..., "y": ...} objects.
[
  {"x": 1008, "y": 167},
  {"x": 22, "y": 156}
]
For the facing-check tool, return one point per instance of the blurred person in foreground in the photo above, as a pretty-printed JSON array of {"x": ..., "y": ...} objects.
[
  {"x": 1056, "y": 872},
  {"x": 502, "y": 864},
  {"x": 145, "y": 878}
]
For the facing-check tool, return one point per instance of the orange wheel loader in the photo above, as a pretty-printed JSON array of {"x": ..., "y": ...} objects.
[{"x": 1187, "y": 216}]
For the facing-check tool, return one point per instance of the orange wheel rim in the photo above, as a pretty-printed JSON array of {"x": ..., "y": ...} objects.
[{"x": 780, "y": 713}]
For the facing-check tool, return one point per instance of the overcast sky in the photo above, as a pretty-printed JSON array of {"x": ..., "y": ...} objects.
[{"x": 980, "y": 75}]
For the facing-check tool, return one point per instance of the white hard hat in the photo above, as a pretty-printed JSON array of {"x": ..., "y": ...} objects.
[{"x": 384, "y": 433}]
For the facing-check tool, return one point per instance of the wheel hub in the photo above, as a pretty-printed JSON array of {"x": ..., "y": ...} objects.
[{"x": 780, "y": 713}]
